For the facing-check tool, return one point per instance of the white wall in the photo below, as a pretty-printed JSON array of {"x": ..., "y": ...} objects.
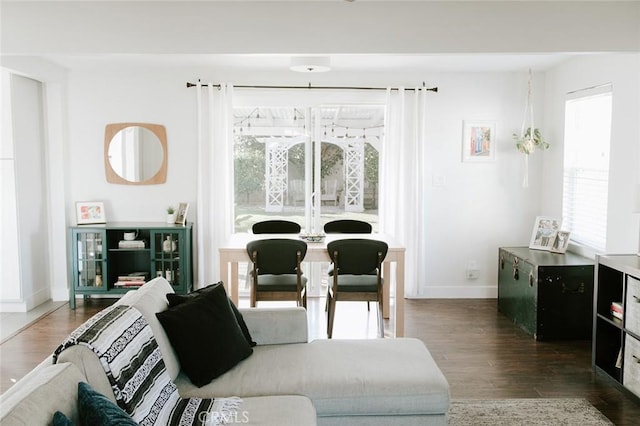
[
  {"x": 623, "y": 71},
  {"x": 28, "y": 285},
  {"x": 479, "y": 208}
]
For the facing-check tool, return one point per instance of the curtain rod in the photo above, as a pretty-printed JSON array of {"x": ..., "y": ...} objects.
[{"x": 431, "y": 89}]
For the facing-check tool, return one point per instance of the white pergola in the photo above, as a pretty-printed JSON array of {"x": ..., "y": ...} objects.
[{"x": 278, "y": 135}]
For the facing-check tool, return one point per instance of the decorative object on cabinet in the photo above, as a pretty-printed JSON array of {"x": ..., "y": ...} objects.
[
  {"x": 135, "y": 153},
  {"x": 527, "y": 141},
  {"x": 90, "y": 212},
  {"x": 171, "y": 215},
  {"x": 181, "y": 215},
  {"x": 550, "y": 296},
  {"x": 561, "y": 242},
  {"x": 478, "y": 141},
  {"x": 104, "y": 263},
  {"x": 545, "y": 230}
]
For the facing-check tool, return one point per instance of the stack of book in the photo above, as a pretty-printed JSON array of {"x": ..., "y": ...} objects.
[
  {"x": 616, "y": 310},
  {"x": 133, "y": 244},
  {"x": 131, "y": 280}
]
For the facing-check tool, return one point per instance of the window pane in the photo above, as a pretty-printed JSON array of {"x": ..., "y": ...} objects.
[
  {"x": 270, "y": 164},
  {"x": 586, "y": 167}
]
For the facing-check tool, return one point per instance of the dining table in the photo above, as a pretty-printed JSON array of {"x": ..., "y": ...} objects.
[{"x": 234, "y": 251}]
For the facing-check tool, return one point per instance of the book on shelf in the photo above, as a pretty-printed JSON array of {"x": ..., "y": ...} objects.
[
  {"x": 617, "y": 310},
  {"x": 133, "y": 244},
  {"x": 134, "y": 279}
]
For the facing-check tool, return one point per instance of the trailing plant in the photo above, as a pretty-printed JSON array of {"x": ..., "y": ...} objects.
[{"x": 527, "y": 143}]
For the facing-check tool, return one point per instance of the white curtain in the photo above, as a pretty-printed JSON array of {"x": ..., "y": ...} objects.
[
  {"x": 402, "y": 181},
  {"x": 214, "y": 222}
]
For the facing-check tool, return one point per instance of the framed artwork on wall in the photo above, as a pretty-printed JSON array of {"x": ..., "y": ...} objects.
[
  {"x": 90, "y": 212},
  {"x": 545, "y": 230},
  {"x": 478, "y": 141}
]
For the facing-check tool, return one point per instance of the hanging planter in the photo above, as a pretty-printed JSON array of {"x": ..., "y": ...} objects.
[{"x": 527, "y": 141}]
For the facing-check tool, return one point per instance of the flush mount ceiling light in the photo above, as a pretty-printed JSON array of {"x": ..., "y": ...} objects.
[{"x": 310, "y": 64}]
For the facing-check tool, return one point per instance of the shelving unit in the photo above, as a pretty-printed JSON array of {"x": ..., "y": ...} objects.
[
  {"x": 99, "y": 261},
  {"x": 616, "y": 342}
]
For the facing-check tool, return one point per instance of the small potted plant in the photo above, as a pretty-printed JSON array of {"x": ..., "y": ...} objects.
[{"x": 170, "y": 214}]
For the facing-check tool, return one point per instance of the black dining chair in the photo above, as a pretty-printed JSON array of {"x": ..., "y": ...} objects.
[
  {"x": 353, "y": 261},
  {"x": 275, "y": 226},
  {"x": 276, "y": 272},
  {"x": 347, "y": 226}
]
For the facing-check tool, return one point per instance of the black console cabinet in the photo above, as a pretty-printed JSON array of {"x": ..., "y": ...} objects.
[{"x": 549, "y": 295}]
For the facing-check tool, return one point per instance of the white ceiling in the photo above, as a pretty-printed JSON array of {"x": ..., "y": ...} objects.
[{"x": 339, "y": 63}]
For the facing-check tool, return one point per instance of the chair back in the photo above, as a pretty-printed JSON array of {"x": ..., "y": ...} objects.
[
  {"x": 347, "y": 226},
  {"x": 276, "y": 256},
  {"x": 356, "y": 256},
  {"x": 275, "y": 227}
]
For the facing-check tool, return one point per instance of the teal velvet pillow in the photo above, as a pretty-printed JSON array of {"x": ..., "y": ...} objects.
[
  {"x": 96, "y": 409},
  {"x": 59, "y": 419},
  {"x": 176, "y": 299}
]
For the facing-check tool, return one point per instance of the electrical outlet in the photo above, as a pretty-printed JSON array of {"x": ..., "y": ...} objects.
[{"x": 473, "y": 274}]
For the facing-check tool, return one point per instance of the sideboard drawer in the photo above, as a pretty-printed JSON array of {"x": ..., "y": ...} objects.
[
  {"x": 632, "y": 309},
  {"x": 631, "y": 374}
]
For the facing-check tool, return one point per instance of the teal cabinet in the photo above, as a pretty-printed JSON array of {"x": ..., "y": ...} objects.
[{"x": 105, "y": 262}]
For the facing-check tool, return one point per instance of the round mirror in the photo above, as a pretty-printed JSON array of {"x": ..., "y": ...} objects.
[{"x": 135, "y": 153}]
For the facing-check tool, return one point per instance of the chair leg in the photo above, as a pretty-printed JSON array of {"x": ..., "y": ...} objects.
[
  {"x": 332, "y": 312},
  {"x": 368, "y": 307},
  {"x": 380, "y": 319}
]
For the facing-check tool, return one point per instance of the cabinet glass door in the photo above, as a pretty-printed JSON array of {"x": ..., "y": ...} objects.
[
  {"x": 90, "y": 258},
  {"x": 167, "y": 248}
]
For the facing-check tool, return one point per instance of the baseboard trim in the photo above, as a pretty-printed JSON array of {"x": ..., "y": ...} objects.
[{"x": 459, "y": 292}]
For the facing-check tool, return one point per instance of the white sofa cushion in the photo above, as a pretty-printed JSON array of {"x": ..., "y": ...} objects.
[{"x": 341, "y": 377}]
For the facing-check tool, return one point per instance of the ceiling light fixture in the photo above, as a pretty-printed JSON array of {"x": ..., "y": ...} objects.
[{"x": 310, "y": 64}]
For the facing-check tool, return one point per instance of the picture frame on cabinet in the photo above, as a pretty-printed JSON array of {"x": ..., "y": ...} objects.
[
  {"x": 181, "y": 213},
  {"x": 90, "y": 212},
  {"x": 561, "y": 242},
  {"x": 478, "y": 141},
  {"x": 545, "y": 230}
]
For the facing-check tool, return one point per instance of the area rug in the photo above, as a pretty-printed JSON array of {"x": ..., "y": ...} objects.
[{"x": 526, "y": 412}]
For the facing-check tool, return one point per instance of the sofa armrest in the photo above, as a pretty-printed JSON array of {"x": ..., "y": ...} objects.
[{"x": 274, "y": 326}]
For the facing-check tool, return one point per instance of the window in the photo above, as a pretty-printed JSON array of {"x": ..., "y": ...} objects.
[
  {"x": 586, "y": 165},
  {"x": 309, "y": 165}
]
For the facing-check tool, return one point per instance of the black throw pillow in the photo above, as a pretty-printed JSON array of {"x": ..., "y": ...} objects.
[
  {"x": 176, "y": 299},
  {"x": 205, "y": 335}
]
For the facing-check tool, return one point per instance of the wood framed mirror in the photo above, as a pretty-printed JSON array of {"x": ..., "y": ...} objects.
[{"x": 135, "y": 153}]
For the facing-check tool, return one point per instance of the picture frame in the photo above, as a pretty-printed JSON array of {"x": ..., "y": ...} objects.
[
  {"x": 545, "y": 230},
  {"x": 478, "y": 141},
  {"x": 561, "y": 242},
  {"x": 90, "y": 212},
  {"x": 181, "y": 213}
]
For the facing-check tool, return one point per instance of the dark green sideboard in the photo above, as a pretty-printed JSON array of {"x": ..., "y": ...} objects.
[
  {"x": 101, "y": 263},
  {"x": 549, "y": 295}
]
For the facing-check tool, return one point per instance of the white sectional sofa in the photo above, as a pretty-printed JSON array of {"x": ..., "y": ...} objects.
[{"x": 285, "y": 381}]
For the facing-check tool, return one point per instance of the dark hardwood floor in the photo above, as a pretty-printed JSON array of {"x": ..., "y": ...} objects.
[{"x": 482, "y": 354}]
